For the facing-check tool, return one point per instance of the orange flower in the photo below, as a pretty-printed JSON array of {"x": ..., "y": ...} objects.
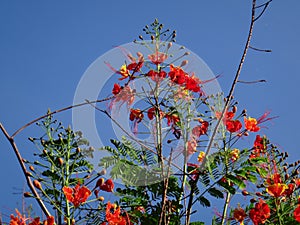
[
  {"x": 239, "y": 215},
  {"x": 113, "y": 216},
  {"x": 17, "y": 220},
  {"x": 276, "y": 190},
  {"x": 77, "y": 195},
  {"x": 251, "y": 124}
]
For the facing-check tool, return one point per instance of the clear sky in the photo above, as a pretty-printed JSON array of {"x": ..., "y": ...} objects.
[{"x": 46, "y": 46}]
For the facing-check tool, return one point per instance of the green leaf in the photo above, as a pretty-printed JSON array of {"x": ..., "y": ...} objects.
[
  {"x": 215, "y": 193},
  {"x": 204, "y": 201},
  {"x": 236, "y": 181}
]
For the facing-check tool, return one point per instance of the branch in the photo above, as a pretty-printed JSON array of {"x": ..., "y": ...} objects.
[
  {"x": 25, "y": 172},
  {"x": 58, "y": 111},
  {"x": 238, "y": 72}
]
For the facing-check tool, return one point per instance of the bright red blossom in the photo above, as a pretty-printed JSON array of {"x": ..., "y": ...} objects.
[
  {"x": 277, "y": 189},
  {"x": 200, "y": 129},
  {"x": 239, "y": 214},
  {"x": 136, "y": 114},
  {"x": 116, "y": 90},
  {"x": 251, "y": 124},
  {"x": 107, "y": 186},
  {"x": 259, "y": 147},
  {"x": 233, "y": 125},
  {"x": 260, "y": 213},
  {"x": 297, "y": 214},
  {"x": 77, "y": 195}
]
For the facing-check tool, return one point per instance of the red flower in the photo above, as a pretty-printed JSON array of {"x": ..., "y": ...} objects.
[
  {"x": 49, "y": 221},
  {"x": 177, "y": 75},
  {"x": 125, "y": 95},
  {"x": 200, "y": 129},
  {"x": 289, "y": 191},
  {"x": 151, "y": 113},
  {"x": 227, "y": 116},
  {"x": 192, "y": 84},
  {"x": 297, "y": 214},
  {"x": 259, "y": 147},
  {"x": 77, "y": 195},
  {"x": 251, "y": 124},
  {"x": 136, "y": 114},
  {"x": 156, "y": 76},
  {"x": 260, "y": 213},
  {"x": 36, "y": 221},
  {"x": 239, "y": 214},
  {"x": 172, "y": 118},
  {"x": 116, "y": 90},
  {"x": 113, "y": 216},
  {"x": 108, "y": 186},
  {"x": 158, "y": 57},
  {"x": 233, "y": 125}
]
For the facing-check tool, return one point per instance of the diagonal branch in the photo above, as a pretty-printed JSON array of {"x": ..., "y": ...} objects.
[{"x": 24, "y": 170}]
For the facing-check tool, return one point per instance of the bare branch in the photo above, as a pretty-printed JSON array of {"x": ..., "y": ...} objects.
[{"x": 25, "y": 172}]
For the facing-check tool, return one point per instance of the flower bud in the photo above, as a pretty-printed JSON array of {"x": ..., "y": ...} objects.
[
  {"x": 37, "y": 184},
  {"x": 234, "y": 109},
  {"x": 103, "y": 172},
  {"x": 31, "y": 168},
  {"x": 170, "y": 45},
  {"x": 60, "y": 161},
  {"x": 101, "y": 198},
  {"x": 100, "y": 182},
  {"x": 27, "y": 194},
  {"x": 183, "y": 63},
  {"x": 244, "y": 192}
]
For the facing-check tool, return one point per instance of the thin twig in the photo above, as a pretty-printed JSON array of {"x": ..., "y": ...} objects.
[
  {"x": 251, "y": 82},
  {"x": 238, "y": 72},
  {"x": 58, "y": 111},
  {"x": 260, "y": 50},
  {"x": 25, "y": 172}
]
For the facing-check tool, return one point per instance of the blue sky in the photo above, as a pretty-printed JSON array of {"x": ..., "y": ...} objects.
[{"x": 46, "y": 46}]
